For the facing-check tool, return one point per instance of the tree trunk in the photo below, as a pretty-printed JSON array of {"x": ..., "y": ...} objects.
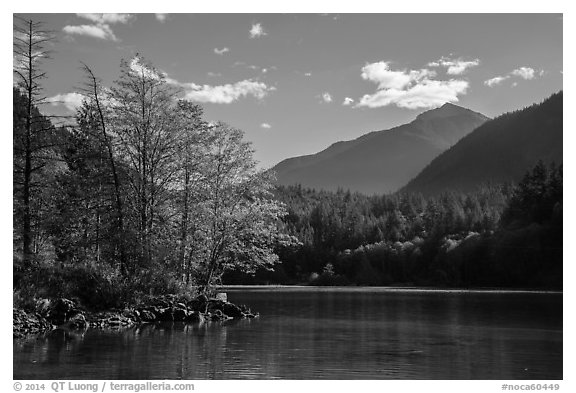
[
  {"x": 26, "y": 224},
  {"x": 184, "y": 227},
  {"x": 117, "y": 195}
]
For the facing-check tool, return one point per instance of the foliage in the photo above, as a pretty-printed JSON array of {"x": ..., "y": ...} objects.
[
  {"x": 507, "y": 236},
  {"x": 142, "y": 196}
]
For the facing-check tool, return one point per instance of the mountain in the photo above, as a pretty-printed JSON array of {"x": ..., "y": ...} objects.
[
  {"x": 500, "y": 150},
  {"x": 381, "y": 161}
]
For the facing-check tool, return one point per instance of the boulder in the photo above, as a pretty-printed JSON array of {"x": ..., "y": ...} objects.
[
  {"x": 164, "y": 315},
  {"x": 78, "y": 321},
  {"x": 232, "y": 310},
  {"x": 198, "y": 304},
  {"x": 180, "y": 314},
  {"x": 215, "y": 304},
  {"x": 217, "y": 315},
  {"x": 61, "y": 310},
  {"x": 147, "y": 315},
  {"x": 28, "y": 323},
  {"x": 160, "y": 303},
  {"x": 43, "y": 306},
  {"x": 221, "y": 296},
  {"x": 195, "y": 316}
]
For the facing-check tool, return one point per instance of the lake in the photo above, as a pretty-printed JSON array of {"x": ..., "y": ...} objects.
[{"x": 323, "y": 333}]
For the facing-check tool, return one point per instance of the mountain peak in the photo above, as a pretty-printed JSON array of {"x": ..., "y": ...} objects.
[
  {"x": 382, "y": 161},
  {"x": 446, "y": 110},
  {"x": 501, "y": 150}
]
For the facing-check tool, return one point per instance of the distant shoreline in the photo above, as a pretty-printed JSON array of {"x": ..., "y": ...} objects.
[{"x": 386, "y": 289}]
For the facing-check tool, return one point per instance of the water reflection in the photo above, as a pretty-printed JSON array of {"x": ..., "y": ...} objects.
[{"x": 323, "y": 334}]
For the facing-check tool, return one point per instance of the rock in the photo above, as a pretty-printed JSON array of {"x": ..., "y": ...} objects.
[
  {"x": 215, "y": 304},
  {"x": 232, "y": 311},
  {"x": 118, "y": 321},
  {"x": 114, "y": 321},
  {"x": 43, "y": 307},
  {"x": 198, "y": 304},
  {"x": 28, "y": 323},
  {"x": 195, "y": 316},
  {"x": 180, "y": 314},
  {"x": 61, "y": 310},
  {"x": 129, "y": 313},
  {"x": 69, "y": 315},
  {"x": 78, "y": 321},
  {"x": 147, "y": 316},
  {"x": 222, "y": 296},
  {"x": 162, "y": 303},
  {"x": 164, "y": 315}
]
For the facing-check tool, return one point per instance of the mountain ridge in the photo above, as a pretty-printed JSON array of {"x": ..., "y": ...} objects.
[
  {"x": 500, "y": 150},
  {"x": 375, "y": 162}
]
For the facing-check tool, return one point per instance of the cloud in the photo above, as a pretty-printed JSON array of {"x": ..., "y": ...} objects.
[
  {"x": 221, "y": 51},
  {"x": 454, "y": 66},
  {"x": 253, "y": 67},
  {"x": 348, "y": 101},
  {"x": 326, "y": 97},
  {"x": 386, "y": 78},
  {"x": 523, "y": 72},
  {"x": 495, "y": 81},
  {"x": 265, "y": 125},
  {"x": 101, "y": 28},
  {"x": 257, "y": 31},
  {"x": 103, "y": 32},
  {"x": 213, "y": 74},
  {"x": 426, "y": 94},
  {"x": 526, "y": 73},
  {"x": 70, "y": 100},
  {"x": 410, "y": 89},
  {"x": 161, "y": 17},
  {"x": 108, "y": 18},
  {"x": 308, "y": 74},
  {"x": 220, "y": 94},
  {"x": 226, "y": 94}
]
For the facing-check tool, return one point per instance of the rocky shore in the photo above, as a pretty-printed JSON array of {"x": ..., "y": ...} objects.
[{"x": 62, "y": 313}]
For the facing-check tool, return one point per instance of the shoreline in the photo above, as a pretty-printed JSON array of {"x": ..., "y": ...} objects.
[
  {"x": 414, "y": 289},
  {"x": 62, "y": 313}
]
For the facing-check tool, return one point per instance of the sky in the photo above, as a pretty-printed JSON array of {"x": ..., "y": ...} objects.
[{"x": 296, "y": 83}]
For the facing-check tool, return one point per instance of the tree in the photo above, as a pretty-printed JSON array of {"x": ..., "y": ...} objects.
[
  {"x": 31, "y": 147},
  {"x": 143, "y": 119},
  {"x": 238, "y": 218},
  {"x": 192, "y": 156},
  {"x": 535, "y": 197},
  {"x": 96, "y": 104}
]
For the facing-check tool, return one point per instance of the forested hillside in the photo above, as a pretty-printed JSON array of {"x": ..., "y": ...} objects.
[
  {"x": 500, "y": 150},
  {"x": 496, "y": 236}
]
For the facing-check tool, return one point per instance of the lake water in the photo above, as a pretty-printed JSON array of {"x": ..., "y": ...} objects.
[{"x": 316, "y": 333}]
